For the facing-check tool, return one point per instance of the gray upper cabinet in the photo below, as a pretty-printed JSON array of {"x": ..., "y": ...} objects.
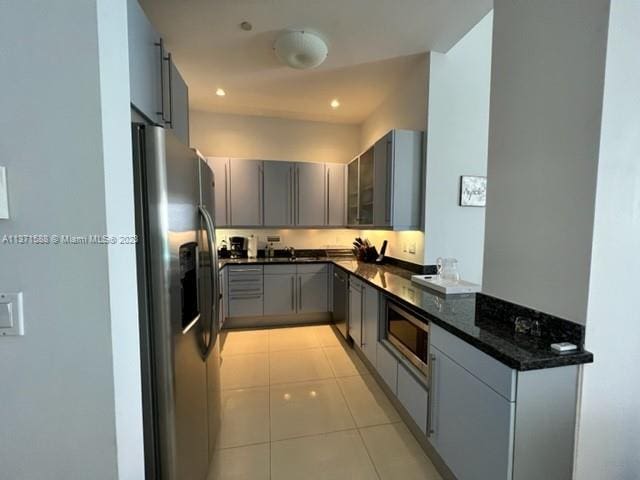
[
  {"x": 352, "y": 192},
  {"x": 158, "y": 91},
  {"x": 220, "y": 167},
  {"x": 179, "y": 103},
  {"x": 278, "y": 194},
  {"x": 145, "y": 62},
  {"x": 366, "y": 188},
  {"x": 385, "y": 184},
  {"x": 245, "y": 192},
  {"x": 310, "y": 194},
  {"x": 335, "y": 194},
  {"x": 270, "y": 193},
  {"x": 399, "y": 168}
]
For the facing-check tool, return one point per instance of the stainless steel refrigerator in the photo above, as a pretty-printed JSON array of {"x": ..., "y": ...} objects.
[{"x": 179, "y": 304}]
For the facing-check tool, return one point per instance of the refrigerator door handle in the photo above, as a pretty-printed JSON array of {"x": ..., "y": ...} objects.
[{"x": 213, "y": 255}]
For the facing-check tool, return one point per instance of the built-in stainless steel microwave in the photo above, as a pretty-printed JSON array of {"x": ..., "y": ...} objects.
[{"x": 409, "y": 334}]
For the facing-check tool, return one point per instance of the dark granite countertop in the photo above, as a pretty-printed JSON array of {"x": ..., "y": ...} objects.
[{"x": 457, "y": 314}]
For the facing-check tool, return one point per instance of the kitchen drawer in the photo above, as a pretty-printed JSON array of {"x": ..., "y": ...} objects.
[
  {"x": 280, "y": 269},
  {"x": 245, "y": 270},
  {"x": 387, "y": 367},
  {"x": 245, "y": 283},
  {"x": 313, "y": 268},
  {"x": 496, "y": 375},
  {"x": 245, "y": 305},
  {"x": 413, "y": 396}
]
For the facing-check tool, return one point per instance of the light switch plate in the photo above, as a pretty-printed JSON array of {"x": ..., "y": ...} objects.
[
  {"x": 4, "y": 195},
  {"x": 17, "y": 321}
]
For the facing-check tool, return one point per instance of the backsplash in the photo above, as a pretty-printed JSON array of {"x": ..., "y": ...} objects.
[{"x": 400, "y": 243}]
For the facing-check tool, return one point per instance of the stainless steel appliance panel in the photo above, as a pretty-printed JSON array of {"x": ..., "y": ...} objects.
[
  {"x": 409, "y": 335},
  {"x": 170, "y": 180}
]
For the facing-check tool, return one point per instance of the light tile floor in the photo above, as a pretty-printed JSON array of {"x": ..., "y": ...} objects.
[{"x": 298, "y": 403}]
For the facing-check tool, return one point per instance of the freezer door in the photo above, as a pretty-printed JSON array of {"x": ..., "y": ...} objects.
[{"x": 172, "y": 243}]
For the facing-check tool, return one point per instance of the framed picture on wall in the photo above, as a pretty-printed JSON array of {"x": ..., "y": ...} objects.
[{"x": 473, "y": 191}]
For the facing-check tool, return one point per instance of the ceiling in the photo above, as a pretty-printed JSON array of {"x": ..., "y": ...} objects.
[{"x": 373, "y": 44}]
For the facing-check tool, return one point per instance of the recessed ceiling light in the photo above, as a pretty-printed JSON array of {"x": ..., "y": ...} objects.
[
  {"x": 220, "y": 92},
  {"x": 335, "y": 103},
  {"x": 246, "y": 26}
]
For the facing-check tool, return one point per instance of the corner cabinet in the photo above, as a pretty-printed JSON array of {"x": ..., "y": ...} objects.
[{"x": 385, "y": 183}]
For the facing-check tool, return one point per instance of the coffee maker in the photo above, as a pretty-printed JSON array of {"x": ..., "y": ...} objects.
[{"x": 238, "y": 247}]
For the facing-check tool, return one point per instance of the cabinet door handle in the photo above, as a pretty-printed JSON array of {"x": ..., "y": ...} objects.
[
  {"x": 328, "y": 196},
  {"x": 387, "y": 205},
  {"x": 226, "y": 195},
  {"x": 260, "y": 195},
  {"x": 300, "y": 307},
  {"x": 169, "y": 63},
  {"x": 298, "y": 195},
  {"x": 244, "y": 297},
  {"x": 430, "y": 427},
  {"x": 293, "y": 295},
  {"x": 160, "y": 45}
]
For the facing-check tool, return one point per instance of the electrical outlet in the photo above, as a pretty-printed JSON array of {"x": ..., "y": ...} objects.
[
  {"x": 412, "y": 248},
  {"x": 404, "y": 247}
]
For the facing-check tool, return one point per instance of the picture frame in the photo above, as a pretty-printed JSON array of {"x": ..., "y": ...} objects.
[{"x": 473, "y": 191}]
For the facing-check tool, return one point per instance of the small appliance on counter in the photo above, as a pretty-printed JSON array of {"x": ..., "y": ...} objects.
[
  {"x": 223, "y": 251},
  {"x": 238, "y": 247}
]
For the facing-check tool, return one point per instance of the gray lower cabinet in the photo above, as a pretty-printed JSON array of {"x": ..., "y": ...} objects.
[
  {"x": 245, "y": 193},
  {"x": 279, "y": 294},
  {"x": 335, "y": 183},
  {"x": 413, "y": 395},
  {"x": 355, "y": 310},
  {"x": 370, "y": 322},
  {"x": 387, "y": 367},
  {"x": 310, "y": 194},
  {"x": 278, "y": 193},
  {"x": 312, "y": 292},
  {"x": 220, "y": 168},
  {"x": 245, "y": 291},
  {"x": 471, "y": 423}
]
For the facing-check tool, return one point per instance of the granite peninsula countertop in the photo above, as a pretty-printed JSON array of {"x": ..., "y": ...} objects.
[{"x": 457, "y": 314}]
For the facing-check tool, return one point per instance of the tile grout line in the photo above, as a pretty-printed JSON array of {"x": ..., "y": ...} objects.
[{"x": 344, "y": 396}]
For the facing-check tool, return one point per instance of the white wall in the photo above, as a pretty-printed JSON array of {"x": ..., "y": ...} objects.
[
  {"x": 120, "y": 220},
  {"x": 546, "y": 95},
  {"x": 405, "y": 107},
  {"x": 457, "y": 141},
  {"x": 608, "y": 441},
  {"x": 267, "y": 138},
  {"x": 62, "y": 153}
]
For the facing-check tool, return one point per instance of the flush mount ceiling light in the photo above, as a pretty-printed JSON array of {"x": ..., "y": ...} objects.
[
  {"x": 220, "y": 92},
  {"x": 300, "y": 49},
  {"x": 335, "y": 103}
]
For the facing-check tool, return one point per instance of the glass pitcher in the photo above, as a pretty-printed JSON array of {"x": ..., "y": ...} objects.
[{"x": 448, "y": 269}]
